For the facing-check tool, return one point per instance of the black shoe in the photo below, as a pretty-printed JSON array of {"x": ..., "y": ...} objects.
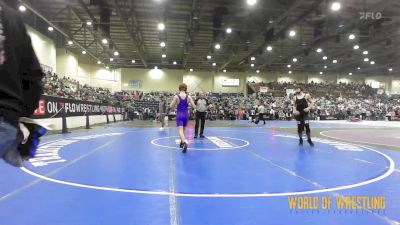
[
  {"x": 195, "y": 136},
  {"x": 181, "y": 145},
  {"x": 185, "y": 146},
  {"x": 310, "y": 142},
  {"x": 301, "y": 141},
  {"x": 202, "y": 136}
]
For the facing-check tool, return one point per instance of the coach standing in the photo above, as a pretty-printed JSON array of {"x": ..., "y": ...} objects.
[
  {"x": 20, "y": 81},
  {"x": 162, "y": 111},
  {"x": 201, "y": 111}
]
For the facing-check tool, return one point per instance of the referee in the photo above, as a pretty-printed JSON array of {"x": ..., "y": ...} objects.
[{"x": 201, "y": 110}]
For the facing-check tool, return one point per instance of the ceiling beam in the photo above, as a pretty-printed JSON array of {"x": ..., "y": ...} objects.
[
  {"x": 352, "y": 24},
  {"x": 135, "y": 39},
  {"x": 270, "y": 27},
  {"x": 189, "y": 35},
  {"x": 94, "y": 36},
  {"x": 60, "y": 30}
]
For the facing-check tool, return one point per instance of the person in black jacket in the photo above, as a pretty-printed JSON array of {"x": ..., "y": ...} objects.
[{"x": 20, "y": 79}]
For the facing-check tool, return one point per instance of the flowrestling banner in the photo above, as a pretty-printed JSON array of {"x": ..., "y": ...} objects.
[{"x": 52, "y": 107}]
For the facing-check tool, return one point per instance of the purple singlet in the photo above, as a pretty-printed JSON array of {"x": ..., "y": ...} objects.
[{"x": 182, "y": 114}]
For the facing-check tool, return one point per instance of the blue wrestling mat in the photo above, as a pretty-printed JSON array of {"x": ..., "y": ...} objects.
[{"x": 234, "y": 176}]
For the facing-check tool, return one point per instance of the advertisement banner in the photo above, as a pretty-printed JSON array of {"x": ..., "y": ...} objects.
[{"x": 51, "y": 107}]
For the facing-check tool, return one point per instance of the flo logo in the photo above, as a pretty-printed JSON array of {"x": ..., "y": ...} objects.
[{"x": 370, "y": 15}]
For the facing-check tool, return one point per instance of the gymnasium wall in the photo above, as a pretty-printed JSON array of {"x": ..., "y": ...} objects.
[
  {"x": 67, "y": 64},
  {"x": 294, "y": 77},
  {"x": 350, "y": 79},
  {"x": 382, "y": 79},
  {"x": 151, "y": 79},
  {"x": 395, "y": 86},
  {"x": 199, "y": 81},
  {"x": 44, "y": 47},
  {"x": 97, "y": 76}
]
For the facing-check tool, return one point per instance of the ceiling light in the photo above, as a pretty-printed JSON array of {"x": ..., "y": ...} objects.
[
  {"x": 107, "y": 67},
  {"x": 252, "y": 65},
  {"x": 191, "y": 70},
  {"x": 104, "y": 41},
  {"x": 251, "y": 2},
  {"x": 174, "y": 63},
  {"x": 366, "y": 59},
  {"x": 359, "y": 68},
  {"x": 288, "y": 66},
  {"x": 217, "y": 46},
  {"x": 290, "y": 72},
  {"x": 334, "y": 61},
  {"x": 325, "y": 67},
  {"x": 257, "y": 71},
  {"x": 99, "y": 62},
  {"x": 209, "y": 57},
  {"x": 321, "y": 73},
  {"x": 356, "y": 47},
  {"x": 162, "y": 44},
  {"x": 164, "y": 56},
  {"x": 319, "y": 50},
  {"x": 22, "y": 8},
  {"x": 84, "y": 52},
  {"x": 224, "y": 71},
  {"x": 133, "y": 61},
  {"x": 372, "y": 62},
  {"x": 390, "y": 69},
  {"x": 89, "y": 23},
  {"x": 325, "y": 57},
  {"x": 253, "y": 58},
  {"x": 269, "y": 48},
  {"x": 365, "y": 52},
  {"x": 50, "y": 28},
  {"x": 292, "y": 33},
  {"x": 229, "y": 30},
  {"x": 111, "y": 59},
  {"x": 70, "y": 42},
  {"x": 336, "y": 6},
  {"x": 350, "y": 74},
  {"x": 116, "y": 53},
  {"x": 214, "y": 64},
  {"x": 294, "y": 59},
  {"x": 352, "y": 36},
  {"x": 156, "y": 67},
  {"x": 341, "y": 25},
  {"x": 161, "y": 26}
]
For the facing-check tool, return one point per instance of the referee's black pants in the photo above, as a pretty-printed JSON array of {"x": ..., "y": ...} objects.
[{"x": 200, "y": 116}]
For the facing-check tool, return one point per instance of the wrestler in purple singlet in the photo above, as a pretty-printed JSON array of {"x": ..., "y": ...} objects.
[{"x": 182, "y": 114}]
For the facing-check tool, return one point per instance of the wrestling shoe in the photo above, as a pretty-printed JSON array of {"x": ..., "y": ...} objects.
[
  {"x": 184, "y": 147},
  {"x": 310, "y": 142}
]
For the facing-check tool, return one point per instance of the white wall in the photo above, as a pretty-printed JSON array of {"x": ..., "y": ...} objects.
[
  {"x": 294, "y": 77},
  {"x": 261, "y": 77},
  {"x": 151, "y": 79},
  {"x": 67, "y": 64},
  {"x": 44, "y": 48},
  {"x": 219, "y": 78},
  {"x": 199, "y": 81},
  {"x": 395, "y": 86},
  {"x": 382, "y": 79},
  {"x": 98, "y": 76}
]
